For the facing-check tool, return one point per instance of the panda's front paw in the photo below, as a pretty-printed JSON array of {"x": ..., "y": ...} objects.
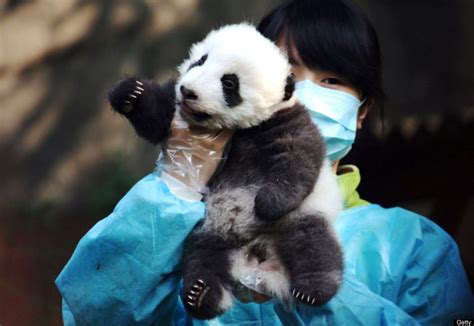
[
  {"x": 126, "y": 95},
  {"x": 269, "y": 204}
]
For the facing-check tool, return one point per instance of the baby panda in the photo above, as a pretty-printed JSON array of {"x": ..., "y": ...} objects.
[{"x": 269, "y": 209}]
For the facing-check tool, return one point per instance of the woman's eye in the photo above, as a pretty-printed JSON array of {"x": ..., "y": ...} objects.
[{"x": 331, "y": 81}]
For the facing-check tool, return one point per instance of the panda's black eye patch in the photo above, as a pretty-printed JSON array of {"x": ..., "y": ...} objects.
[
  {"x": 228, "y": 83},
  {"x": 198, "y": 63},
  {"x": 230, "y": 86}
]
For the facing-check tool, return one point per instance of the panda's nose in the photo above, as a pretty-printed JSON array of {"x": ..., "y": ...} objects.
[{"x": 187, "y": 93}]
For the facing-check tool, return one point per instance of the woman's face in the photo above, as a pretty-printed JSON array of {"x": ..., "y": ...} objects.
[{"x": 323, "y": 78}]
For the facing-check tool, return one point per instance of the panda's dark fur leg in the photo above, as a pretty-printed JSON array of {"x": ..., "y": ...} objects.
[
  {"x": 206, "y": 281},
  {"x": 148, "y": 106},
  {"x": 313, "y": 257}
]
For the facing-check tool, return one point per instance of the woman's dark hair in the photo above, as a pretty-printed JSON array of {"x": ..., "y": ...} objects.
[{"x": 333, "y": 35}]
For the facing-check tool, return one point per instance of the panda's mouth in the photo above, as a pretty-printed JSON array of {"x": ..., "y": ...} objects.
[{"x": 189, "y": 108}]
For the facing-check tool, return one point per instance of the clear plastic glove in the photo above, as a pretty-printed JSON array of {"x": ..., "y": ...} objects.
[
  {"x": 246, "y": 295},
  {"x": 251, "y": 286},
  {"x": 190, "y": 157}
]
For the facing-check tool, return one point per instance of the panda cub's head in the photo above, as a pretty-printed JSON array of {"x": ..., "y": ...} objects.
[{"x": 234, "y": 78}]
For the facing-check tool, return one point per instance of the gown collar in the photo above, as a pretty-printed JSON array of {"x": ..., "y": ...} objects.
[{"x": 348, "y": 178}]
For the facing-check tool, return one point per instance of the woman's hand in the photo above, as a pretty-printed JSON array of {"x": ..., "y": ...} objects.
[{"x": 191, "y": 156}]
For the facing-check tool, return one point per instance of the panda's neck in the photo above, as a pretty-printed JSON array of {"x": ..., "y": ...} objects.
[
  {"x": 287, "y": 117},
  {"x": 283, "y": 105}
]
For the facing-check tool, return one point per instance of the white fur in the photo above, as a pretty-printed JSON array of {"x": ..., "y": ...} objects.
[
  {"x": 227, "y": 300},
  {"x": 262, "y": 69},
  {"x": 231, "y": 212},
  {"x": 326, "y": 196},
  {"x": 269, "y": 277}
]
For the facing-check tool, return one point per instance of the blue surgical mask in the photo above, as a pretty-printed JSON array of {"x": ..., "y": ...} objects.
[{"x": 335, "y": 114}]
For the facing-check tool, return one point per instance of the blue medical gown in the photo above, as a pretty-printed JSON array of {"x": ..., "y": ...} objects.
[{"x": 400, "y": 268}]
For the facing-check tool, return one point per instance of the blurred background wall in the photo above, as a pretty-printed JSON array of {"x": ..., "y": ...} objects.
[{"x": 66, "y": 159}]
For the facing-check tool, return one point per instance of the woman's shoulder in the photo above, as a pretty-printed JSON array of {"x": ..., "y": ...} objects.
[
  {"x": 407, "y": 259},
  {"x": 376, "y": 216},
  {"x": 403, "y": 230}
]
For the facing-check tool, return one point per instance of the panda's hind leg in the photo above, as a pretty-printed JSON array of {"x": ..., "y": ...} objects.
[
  {"x": 310, "y": 251},
  {"x": 207, "y": 283}
]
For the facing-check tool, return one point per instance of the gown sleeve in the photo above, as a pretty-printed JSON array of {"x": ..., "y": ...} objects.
[
  {"x": 400, "y": 269},
  {"x": 408, "y": 260},
  {"x": 354, "y": 304},
  {"x": 126, "y": 269}
]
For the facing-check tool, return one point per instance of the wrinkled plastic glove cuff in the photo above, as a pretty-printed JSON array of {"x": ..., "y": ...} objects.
[{"x": 179, "y": 189}]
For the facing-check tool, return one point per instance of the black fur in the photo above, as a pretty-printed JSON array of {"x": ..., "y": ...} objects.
[
  {"x": 283, "y": 155},
  {"x": 231, "y": 88},
  {"x": 150, "y": 112},
  {"x": 281, "y": 158},
  {"x": 312, "y": 255},
  {"x": 207, "y": 259}
]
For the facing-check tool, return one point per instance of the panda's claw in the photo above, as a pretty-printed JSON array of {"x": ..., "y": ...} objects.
[
  {"x": 196, "y": 293},
  {"x": 132, "y": 97},
  {"x": 139, "y": 82},
  {"x": 304, "y": 298}
]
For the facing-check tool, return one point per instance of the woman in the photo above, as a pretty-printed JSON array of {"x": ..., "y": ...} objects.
[{"x": 400, "y": 267}]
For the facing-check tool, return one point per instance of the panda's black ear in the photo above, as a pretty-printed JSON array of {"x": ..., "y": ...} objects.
[{"x": 289, "y": 87}]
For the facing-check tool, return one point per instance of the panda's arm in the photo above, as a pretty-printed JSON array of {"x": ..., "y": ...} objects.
[
  {"x": 293, "y": 164},
  {"x": 148, "y": 106}
]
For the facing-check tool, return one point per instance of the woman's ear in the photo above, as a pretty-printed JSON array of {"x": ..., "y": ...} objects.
[{"x": 363, "y": 110}]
